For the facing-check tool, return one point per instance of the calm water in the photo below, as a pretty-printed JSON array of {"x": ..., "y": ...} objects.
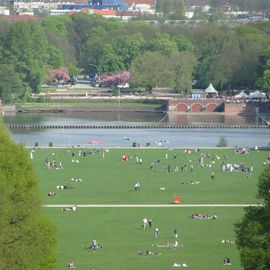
[{"x": 125, "y": 137}]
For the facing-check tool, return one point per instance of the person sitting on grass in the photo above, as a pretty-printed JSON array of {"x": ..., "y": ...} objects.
[
  {"x": 94, "y": 246},
  {"x": 71, "y": 265},
  {"x": 137, "y": 186},
  {"x": 51, "y": 194},
  {"x": 227, "y": 261}
]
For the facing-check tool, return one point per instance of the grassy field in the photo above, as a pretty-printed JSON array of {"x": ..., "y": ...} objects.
[
  {"x": 95, "y": 103},
  {"x": 106, "y": 179}
]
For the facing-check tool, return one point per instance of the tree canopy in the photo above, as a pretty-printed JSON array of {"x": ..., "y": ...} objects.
[
  {"x": 230, "y": 58},
  {"x": 27, "y": 237},
  {"x": 253, "y": 231}
]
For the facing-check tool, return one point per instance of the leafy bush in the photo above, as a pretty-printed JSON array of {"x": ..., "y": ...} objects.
[{"x": 223, "y": 142}]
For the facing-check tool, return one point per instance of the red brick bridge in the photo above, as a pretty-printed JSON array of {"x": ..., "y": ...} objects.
[{"x": 193, "y": 105}]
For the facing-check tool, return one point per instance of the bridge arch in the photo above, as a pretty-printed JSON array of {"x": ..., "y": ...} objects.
[
  {"x": 181, "y": 107},
  {"x": 211, "y": 107},
  {"x": 196, "y": 107}
]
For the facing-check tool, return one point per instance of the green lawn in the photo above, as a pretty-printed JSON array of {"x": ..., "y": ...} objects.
[
  {"x": 108, "y": 180},
  {"x": 122, "y": 103},
  {"x": 122, "y": 237}
]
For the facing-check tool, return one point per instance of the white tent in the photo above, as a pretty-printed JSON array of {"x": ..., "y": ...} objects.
[
  {"x": 257, "y": 94},
  {"x": 210, "y": 89},
  {"x": 242, "y": 94}
]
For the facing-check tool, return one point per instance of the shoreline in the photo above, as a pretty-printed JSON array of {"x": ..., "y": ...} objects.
[{"x": 68, "y": 109}]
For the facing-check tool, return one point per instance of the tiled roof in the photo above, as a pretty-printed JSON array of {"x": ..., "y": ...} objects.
[{"x": 105, "y": 12}]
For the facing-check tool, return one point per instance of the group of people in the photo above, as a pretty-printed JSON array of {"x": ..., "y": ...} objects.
[
  {"x": 147, "y": 223},
  {"x": 62, "y": 187},
  {"x": 226, "y": 241},
  {"x": 234, "y": 167},
  {"x": 53, "y": 164},
  {"x": 179, "y": 264},
  {"x": 76, "y": 180},
  {"x": 148, "y": 253},
  {"x": 203, "y": 216}
]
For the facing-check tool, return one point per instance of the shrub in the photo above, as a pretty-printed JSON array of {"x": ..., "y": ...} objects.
[{"x": 222, "y": 142}]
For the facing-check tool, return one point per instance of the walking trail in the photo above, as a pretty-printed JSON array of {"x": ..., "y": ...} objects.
[{"x": 146, "y": 205}]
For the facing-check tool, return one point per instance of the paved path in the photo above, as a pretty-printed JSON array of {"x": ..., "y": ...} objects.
[{"x": 146, "y": 205}]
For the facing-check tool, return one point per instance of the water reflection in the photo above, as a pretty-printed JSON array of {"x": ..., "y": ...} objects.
[
  {"x": 116, "y": 137},
  {"x": 213, "y": 119},
  {"x": 115, "y": 118}
]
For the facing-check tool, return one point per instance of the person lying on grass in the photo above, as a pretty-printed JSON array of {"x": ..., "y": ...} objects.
[
  {"x": 226, "y": 241},
  {"x": 76, "y": 180},
  {"x": 203, "y": 216},
  {"x": 148, "y": 253},
  {"x": 62, "y": 187},
  {"x": 169, "y": 245},
  {"x": 191, "y": 182},
  {"x": 179, "y": 265},
  {"x": 71, "y": 208}
]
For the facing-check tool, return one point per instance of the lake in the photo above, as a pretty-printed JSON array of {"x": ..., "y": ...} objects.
[{"x": 196, "y": 137}]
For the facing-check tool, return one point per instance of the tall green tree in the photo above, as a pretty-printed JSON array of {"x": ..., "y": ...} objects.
[
  {"x": 12, "y": 88},
  {"x": 253, "y": 231},
  {"x": 184, "y": 68},
  {"x": 26, "y": 49},
  {"x": 163, "y": 44},
  {"x": 27, "y": 237},
  {"x": 109, "y": 61},
  {"x": 152, "y": 69},
  {"x": 264, "y": 81}
]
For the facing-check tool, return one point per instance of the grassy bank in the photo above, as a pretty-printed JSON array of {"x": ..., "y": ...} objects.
[{"x": 105, "y": 104}]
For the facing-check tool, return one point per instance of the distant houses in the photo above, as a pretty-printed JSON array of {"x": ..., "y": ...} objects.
[{"x": 124, "y": 10}]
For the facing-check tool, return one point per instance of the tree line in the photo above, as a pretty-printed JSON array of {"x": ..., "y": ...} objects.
[{"x": 179, "y": 57}]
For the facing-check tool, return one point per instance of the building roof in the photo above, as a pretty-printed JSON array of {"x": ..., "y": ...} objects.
[
  {"x": 242, "y": 94},
  {"x": 257, "y": 94},
  {"x": 210, "y": 89},
  {"x": 103, "y": 12}
]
